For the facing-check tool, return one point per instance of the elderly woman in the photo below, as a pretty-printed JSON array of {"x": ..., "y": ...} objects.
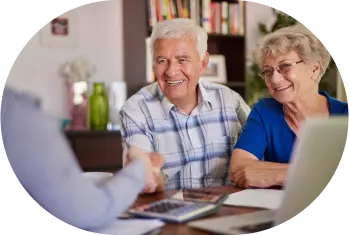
[{"x": 292, "y": 61}]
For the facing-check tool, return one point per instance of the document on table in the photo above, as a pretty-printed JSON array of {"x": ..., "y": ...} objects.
[
  {"x": 260, "y": 198},
  {"x": 132, "y": 226}
]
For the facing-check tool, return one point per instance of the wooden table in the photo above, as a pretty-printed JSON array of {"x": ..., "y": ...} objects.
[{"x": 182, "y": 229}]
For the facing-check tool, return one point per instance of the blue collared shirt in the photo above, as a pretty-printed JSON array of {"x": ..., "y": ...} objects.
[
  {"x": 47, "y": 168},
  {"x": 196, "y": 147}
]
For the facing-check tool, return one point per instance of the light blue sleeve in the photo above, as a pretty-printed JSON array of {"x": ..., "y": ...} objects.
[{"x": 47, "y": 168}]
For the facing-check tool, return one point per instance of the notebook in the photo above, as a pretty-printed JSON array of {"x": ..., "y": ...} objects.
[{"x": 259, "y": 198}]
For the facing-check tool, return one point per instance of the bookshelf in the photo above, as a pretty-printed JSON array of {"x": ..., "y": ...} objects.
[{"x": 137, "y": 27}]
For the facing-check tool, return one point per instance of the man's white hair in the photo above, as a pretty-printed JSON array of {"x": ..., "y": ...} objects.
[{"x": 179, "y": 28}]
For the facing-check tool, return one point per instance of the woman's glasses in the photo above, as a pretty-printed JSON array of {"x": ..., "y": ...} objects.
[{"x": 282, "y": 68}]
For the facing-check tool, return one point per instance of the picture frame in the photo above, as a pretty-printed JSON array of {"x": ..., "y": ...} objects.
[
  {"x": 216, "y": 70},
  {"x": 60, "y": 31}
]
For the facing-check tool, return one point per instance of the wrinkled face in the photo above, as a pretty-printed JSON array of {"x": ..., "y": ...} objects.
[
  {"x": 294, "y": 79},
  {"x": 177, "y": 67}
]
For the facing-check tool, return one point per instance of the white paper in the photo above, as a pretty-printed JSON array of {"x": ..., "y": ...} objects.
[
  {"x": 178, "y": 196},
  {"x": 260, "y": 198},
  {"x": 132, "y": 226}
]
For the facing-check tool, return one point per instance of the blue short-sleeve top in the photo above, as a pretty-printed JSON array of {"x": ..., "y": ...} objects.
[{"x": 267, "y": 134}]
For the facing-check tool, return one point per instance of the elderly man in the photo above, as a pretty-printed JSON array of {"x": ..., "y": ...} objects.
[{"x": 192, "y": 124}]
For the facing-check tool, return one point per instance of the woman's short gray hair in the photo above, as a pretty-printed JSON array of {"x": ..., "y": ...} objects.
[
  {"x": 294, "y": 38},
  {"x": 179, "y": 28}
]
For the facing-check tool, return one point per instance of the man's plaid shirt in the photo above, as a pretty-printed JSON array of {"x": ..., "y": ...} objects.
[{"x": 196, "y": 147}]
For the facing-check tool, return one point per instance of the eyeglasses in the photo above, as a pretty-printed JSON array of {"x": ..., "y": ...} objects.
[{"x": 283, "y": 69}]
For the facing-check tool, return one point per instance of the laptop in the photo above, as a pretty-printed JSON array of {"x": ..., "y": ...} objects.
[{"x": 315, "y": 157}]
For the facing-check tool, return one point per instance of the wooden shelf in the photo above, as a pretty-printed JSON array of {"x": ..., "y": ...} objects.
[
  {"x": 149, "y": 31},
  {"x": 90, "y": 133},
  {"x": 226, "y": 35},
  {"x": 97, "y": 150},
  {"x": 236, "y": 84}
]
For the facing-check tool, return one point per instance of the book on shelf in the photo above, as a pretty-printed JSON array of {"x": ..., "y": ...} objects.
[{"x": 218, "y": 17}]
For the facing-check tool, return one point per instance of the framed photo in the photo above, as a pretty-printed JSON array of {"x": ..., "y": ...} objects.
[
  {"x": 216, "y": 70},
  {"x": 61, "y": 31}
]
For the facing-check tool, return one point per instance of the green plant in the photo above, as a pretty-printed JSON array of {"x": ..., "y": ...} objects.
[{"x": 256, "y": 88}]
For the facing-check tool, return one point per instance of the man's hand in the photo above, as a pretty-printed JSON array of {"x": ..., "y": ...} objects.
[
  {"x": 252, "y": 176},
  {"x": 158, "y": 162},
  {"x": 153, "y": 163}
]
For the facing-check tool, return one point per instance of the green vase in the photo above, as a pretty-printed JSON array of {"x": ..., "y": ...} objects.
[{"x": 98, "y": 108}]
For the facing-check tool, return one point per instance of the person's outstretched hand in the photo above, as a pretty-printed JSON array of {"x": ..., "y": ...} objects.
[{"x": 153, "y": 163}]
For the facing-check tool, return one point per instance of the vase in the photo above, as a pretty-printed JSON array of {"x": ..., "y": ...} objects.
[
  {"x": 98, "y": 108},
  {"x": 77, "y": 100}
]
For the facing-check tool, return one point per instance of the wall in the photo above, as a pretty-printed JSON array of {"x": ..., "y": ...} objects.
[
  {"x": 256, "y": 13},
  {"x": 99, "y": 41}
]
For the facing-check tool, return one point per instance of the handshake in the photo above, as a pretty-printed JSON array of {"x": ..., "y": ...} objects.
[{"x": 153, "y": 164}]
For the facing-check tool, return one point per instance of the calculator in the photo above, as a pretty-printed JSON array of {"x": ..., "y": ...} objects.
[{"x": 173, "y": 210}]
